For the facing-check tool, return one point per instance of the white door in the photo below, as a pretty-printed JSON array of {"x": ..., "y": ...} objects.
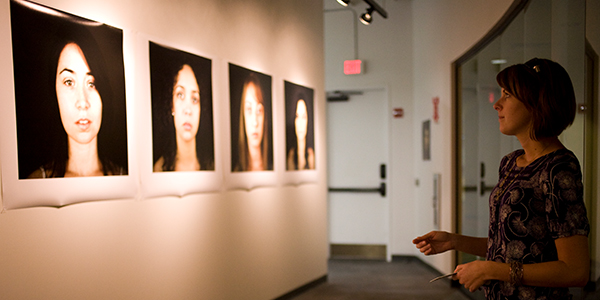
[{"x": 357, "y": 133}]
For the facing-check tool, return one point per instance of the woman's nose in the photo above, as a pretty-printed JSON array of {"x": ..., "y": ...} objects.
[
  {"x": 497, "y": 105},
  {"x": 254, "y": 119},
  {"x": 82, "y": 102}
]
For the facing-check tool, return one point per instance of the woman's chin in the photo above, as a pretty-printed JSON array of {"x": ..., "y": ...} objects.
[
  {"x": 187, "y": 137},
  {"x": 254, "y": 143},
  {"x": 83, "y": 138}
]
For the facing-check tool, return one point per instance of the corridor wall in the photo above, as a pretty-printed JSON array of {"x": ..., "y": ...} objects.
[{"x": 240, "y": 241}]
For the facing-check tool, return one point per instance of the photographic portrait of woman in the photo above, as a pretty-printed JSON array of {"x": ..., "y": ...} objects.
[
  {"x": 182, "y": 123},
  {"x": 299, "y": 127},
  {"x": 251, "y": 131},
  {"x": 73, "y": 123}
]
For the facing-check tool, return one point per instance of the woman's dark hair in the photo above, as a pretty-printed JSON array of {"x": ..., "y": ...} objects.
[
  {"x": 165, "y": 64},
  {"x": 244, "y": 156},
  {"x": 546, "y": 90}
]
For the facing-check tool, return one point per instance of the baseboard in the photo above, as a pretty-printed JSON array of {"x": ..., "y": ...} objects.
[
  {"x": 591, "y": 286},
  {"x": 303, "y": 288},
  {"x": 353, "y": 251}
]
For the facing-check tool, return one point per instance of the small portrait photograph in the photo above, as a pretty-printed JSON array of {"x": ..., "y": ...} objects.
[
  {"x": 182, "y": 110},
  {"x": 299, "y": 127},
  {"x": 69, "y": 94},
  {"x": 251, "y": 120},
  {"x": 426, "y": 140}
]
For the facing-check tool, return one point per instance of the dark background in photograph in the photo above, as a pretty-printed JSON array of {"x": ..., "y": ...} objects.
[
  {"x": 40, "y": 135},
  {"x": 165, "y": 63},
  {"x": 237, "y": 76},
  {"x": 293, "y": 93}
]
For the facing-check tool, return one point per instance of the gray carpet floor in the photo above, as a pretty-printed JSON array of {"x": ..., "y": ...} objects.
[
  {"x": 404, "y": 278},
  {"x": 373, "y": 279}
]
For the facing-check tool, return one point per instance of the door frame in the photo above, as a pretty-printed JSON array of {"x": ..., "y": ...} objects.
[
  {"x": 591, "y": 153},
  {"x": 513, "y": 11}
]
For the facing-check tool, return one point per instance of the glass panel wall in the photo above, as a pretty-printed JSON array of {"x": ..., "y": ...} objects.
[{"x": 553, "y": 29}]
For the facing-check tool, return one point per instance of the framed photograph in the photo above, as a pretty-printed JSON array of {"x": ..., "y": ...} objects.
[
  {"x": 251, "y": 117},
  {"x": 182, "y": 113},
  {"x": 178, "y": 148},
  {"x": 70, "y": 118},
  {"x": 299, "y": 127}
]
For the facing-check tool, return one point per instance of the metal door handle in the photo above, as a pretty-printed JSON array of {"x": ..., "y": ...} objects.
[{"x": 381, "y": 190}]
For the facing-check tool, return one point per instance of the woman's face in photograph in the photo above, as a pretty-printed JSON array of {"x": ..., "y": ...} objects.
[
  {"x": 301, "y": 121},
  {"x": 254, "y": 116},
  {"x": 186, "y": 104},
  {"x": 79, "y": 102}
]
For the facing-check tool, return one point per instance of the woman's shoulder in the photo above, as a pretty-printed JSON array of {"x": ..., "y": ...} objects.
[
  {"x": 110, "y": 168},
  {"x": 514, "y": 154},
  {"x": 44, "y": 171},
  {"x": 564, "y": 157},
  {"x": 564, "y": 154},
  {"x": 38, "y": 173},
  {"x": 510, "y": 157},
  {"x": 158, "y": 165}
]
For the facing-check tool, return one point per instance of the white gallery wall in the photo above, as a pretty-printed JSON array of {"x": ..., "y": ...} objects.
[
  {"x": 410, "y": 54},
  {"x": 446, "y": 30},
  {"x": 252, "y": 243}
]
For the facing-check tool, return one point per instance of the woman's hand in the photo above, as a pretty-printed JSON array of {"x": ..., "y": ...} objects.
[
  {"x": 434, "y": 242},
  {"x": 472, "y": 275}
]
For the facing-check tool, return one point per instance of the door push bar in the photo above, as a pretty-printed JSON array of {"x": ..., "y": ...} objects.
[{"x": 381, "y": 190}]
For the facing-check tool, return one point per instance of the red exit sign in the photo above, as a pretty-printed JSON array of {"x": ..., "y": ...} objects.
[{"x": 352, "y": 67}]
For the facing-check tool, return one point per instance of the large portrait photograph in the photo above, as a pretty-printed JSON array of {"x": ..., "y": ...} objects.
[
  {"x": 69, "y": 95},
  {"x": 299, "y": 127},
  {"x": 182, "y": 112},
  {"x": 179, "y": 152},
  {"x": 65, "y": 137},
  {"x": 251, "y": 120}
]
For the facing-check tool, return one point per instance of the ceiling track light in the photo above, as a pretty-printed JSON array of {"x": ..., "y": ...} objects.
[
  {"x": 367, "y": 17},
  {"x": 343, "y": 2}
]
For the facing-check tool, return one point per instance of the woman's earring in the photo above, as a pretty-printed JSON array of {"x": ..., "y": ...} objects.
[{"x": 173, "y": 113}]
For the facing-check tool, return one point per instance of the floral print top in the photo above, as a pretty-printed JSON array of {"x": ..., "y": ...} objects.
[{"x": 530, "y": 208}]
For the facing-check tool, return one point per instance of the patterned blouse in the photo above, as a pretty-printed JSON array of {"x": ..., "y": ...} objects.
[{"x": 530, "y": 208}]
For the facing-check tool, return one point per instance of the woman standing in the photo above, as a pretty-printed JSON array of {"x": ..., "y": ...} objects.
[{"x": 537, "y": 242}]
